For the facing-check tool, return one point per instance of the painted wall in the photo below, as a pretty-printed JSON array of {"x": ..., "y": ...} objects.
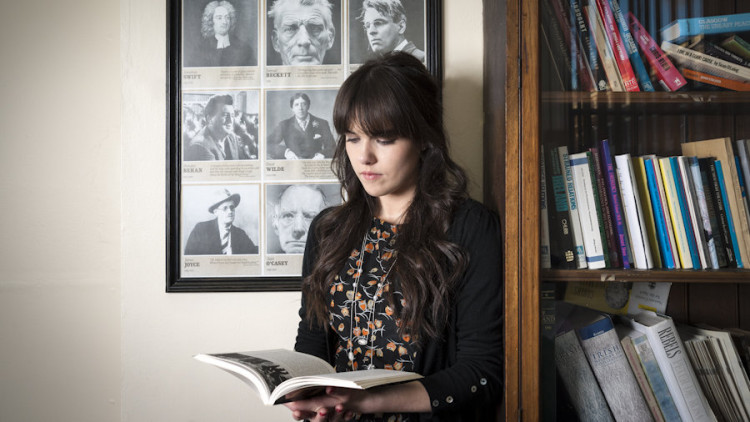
[{"x": 88, "y": 333}]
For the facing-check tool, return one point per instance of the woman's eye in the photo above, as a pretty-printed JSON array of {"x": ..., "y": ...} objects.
[
  {"x": 352, "y": 139},
  {"x": 386, "y": 141}
]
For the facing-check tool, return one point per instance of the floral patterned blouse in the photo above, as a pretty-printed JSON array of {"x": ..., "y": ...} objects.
[{"x": 362, "y": 315}]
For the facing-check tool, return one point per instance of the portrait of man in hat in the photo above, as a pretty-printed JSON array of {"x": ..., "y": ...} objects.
[{"x": 219, "y": 236}]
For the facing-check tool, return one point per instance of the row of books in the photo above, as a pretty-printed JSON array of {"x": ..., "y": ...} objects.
[
  {"x": 597, "y": 46},
  {"x": 604, "y": 210},
  {"x": 646, "y": 367}
]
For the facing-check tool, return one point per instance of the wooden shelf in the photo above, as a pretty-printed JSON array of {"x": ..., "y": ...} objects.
[
  {"x": 674, "y": 276},
  {"x": 704, "y": 102}
]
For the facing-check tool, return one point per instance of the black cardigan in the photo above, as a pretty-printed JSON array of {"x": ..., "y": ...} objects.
[{"x": 463, "y": 369}]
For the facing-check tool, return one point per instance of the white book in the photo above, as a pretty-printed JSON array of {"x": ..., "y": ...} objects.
[
  {"x": 274, "y": 374},
  {"x": 584, "y": 192},
  {"x": 575, "y": 220},
  {"x": 633, "y": 217},
  {"x": 605, "y": 51},
  {"x": 695, "y": 218},
  {"x": 675, "y": 365},
  {"x": 546, "y": 259}
]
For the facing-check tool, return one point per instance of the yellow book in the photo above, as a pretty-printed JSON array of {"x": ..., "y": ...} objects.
[
  {"x": 721, "y": 148},
  {"x": 648, "y": 211},
  {"x": 675, "y": 213}
]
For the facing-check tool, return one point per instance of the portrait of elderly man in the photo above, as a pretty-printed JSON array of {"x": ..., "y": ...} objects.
[
  {"x": 217, "y": 140},
  {"x": 302, "y": 33},
  {"x": 292, "y": 214},
  {"x": 302, "y": 136},
  {"x": 219, "y": 236},
  {"x": 385, "y": 24},
  {"x": 218, "y": 43}
]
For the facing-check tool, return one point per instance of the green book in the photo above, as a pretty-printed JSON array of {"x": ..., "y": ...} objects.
[{"x": 738, "y": 46}]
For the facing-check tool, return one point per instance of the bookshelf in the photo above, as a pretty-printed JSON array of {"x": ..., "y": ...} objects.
[{"x": 524, "y": 110}]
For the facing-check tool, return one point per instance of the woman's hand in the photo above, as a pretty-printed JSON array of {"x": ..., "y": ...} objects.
[{"x": 336, "y": 405}]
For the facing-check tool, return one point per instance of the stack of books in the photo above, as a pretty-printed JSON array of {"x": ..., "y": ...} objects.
[
  {"x": 604, "y": 210},
  {"x": 646, "y": 367},
  {"x": 595, "y": 45}
]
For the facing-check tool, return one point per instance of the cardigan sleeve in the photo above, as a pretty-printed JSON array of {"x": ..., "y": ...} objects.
[
  {"x": 311, "y": 339},
  {"x": 474, "y": 375}
]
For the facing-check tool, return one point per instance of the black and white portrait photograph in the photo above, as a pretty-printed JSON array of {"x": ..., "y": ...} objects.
[
  {"x": 220, "y": 125},
  {"x": 303, "y": 32},
  {"x": 220, "y": 33},
  {"x": 381, "y": 26},
  {"x": 289, "y": 211},
  {"x": 220, "y": 220},
  {"x": 299, "y": 124}
]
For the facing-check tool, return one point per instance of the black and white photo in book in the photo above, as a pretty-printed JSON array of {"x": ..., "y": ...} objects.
[
  {"x": 298, "y": 123},
  {"x": 220, "y": 33},
  {"x": 303, "y": 32},
  {"x": 381, "y": 26},
  {"x": 220, "y": 125},
  {"x": 251, "y": 90},
  {"x": 290, "y": 208}
]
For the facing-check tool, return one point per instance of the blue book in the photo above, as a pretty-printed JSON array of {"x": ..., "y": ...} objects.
[
  {"x": 682, "y": 198},
  {"x": 659, "y": 217},
  {"x": 680, "y": 30},
  {"x": 732, "y": 232},
  {"x": 644, "y": 80},
  {"x": 655, "y": 378},
  {"x": 610, "y": 180}
]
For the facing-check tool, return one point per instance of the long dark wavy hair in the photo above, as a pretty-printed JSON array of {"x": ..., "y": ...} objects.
[{"x": 395, "y": 96}]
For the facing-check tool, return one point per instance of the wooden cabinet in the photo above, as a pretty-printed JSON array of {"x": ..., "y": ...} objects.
[{"x": 522, "y": 113}]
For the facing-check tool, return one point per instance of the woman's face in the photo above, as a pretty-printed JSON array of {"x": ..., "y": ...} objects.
[{"x": 387, "y": 168}]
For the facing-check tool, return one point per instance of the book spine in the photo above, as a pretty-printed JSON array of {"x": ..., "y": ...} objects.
[
  {"x": 704, "y": 63},
  {"x": 598, "y": 205},
  {"x": 672, "y": 237},
  {"x": 606, "y": 55},
  {"x": 614, "y": 200},
  {"x": 743, "y": 153},
  {"x": 563, "y": 26},
  {"x": 656, "y": 378},
  {"x": 660, "y": 219},
  {"x": 700, "y": 194},
  {"x": 544, "y": 244},
  {"x": 669, "y": 77},
  {"x": 684, "y": 209},
  {"x": 675, "y": 213},
  {"x": 714, "y": 80},
  {"x": 640, "y": 376},
  {"x": 547, "y": 373},
  {"x": 743, "y": 187},
  {"x": 609, "y": 225},
  {"x": 615, "y": 41},
  {"x": 648, "y": 210},
  {"x": 681, "y": 29},
  {"x": 632, "y": 222},
  {"x": 584, "y": 198},
  {"x": 706, "y": 47},
  {"x": 575, "y": 218},
  {"x": 674, "y": 362},
  {"x": 578, "y": 378},
  {"x": 562, "y": 246},
  {"x": 721, "y": 212},
  {"x": 611, "y": 368},
  {"x": 737, "y": 45},
  {"x": 554, "y": 36},
  {"x": 588, "y": 48},
  {"x": 688, "y": 192},
  {"x": 644, "y": 80},
  {"x": 729, "y": 214}
]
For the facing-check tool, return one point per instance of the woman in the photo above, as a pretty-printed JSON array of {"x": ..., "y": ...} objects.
[{"x": 406, "y": 274}]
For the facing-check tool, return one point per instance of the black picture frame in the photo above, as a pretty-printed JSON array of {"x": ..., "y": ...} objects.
[{"x": 176, "y": 188}]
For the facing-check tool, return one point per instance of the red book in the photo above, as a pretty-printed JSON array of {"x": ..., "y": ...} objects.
[
  {"x": 669, "y": 77},
  {"x": 618, "y": 48}
]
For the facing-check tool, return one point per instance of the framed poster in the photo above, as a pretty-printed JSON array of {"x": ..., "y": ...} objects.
[{"x": 250, "y": 138}]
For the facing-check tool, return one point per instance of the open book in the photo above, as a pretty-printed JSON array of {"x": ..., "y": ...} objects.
[{"x": 274, "y": 374}]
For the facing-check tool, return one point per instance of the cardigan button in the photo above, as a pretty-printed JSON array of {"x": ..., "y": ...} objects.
[
  {"x": 435, "y": 403},
  {"x": 473, "y": 388},
  {"x": 449, "y": 399},
  {"x": 483, "y": 381}
]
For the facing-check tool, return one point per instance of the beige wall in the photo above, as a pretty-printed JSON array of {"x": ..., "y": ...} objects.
[{"x": 88, "y": 333}]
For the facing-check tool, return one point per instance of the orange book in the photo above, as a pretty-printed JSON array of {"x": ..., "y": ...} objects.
[{"x": 715, "y": 80}]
